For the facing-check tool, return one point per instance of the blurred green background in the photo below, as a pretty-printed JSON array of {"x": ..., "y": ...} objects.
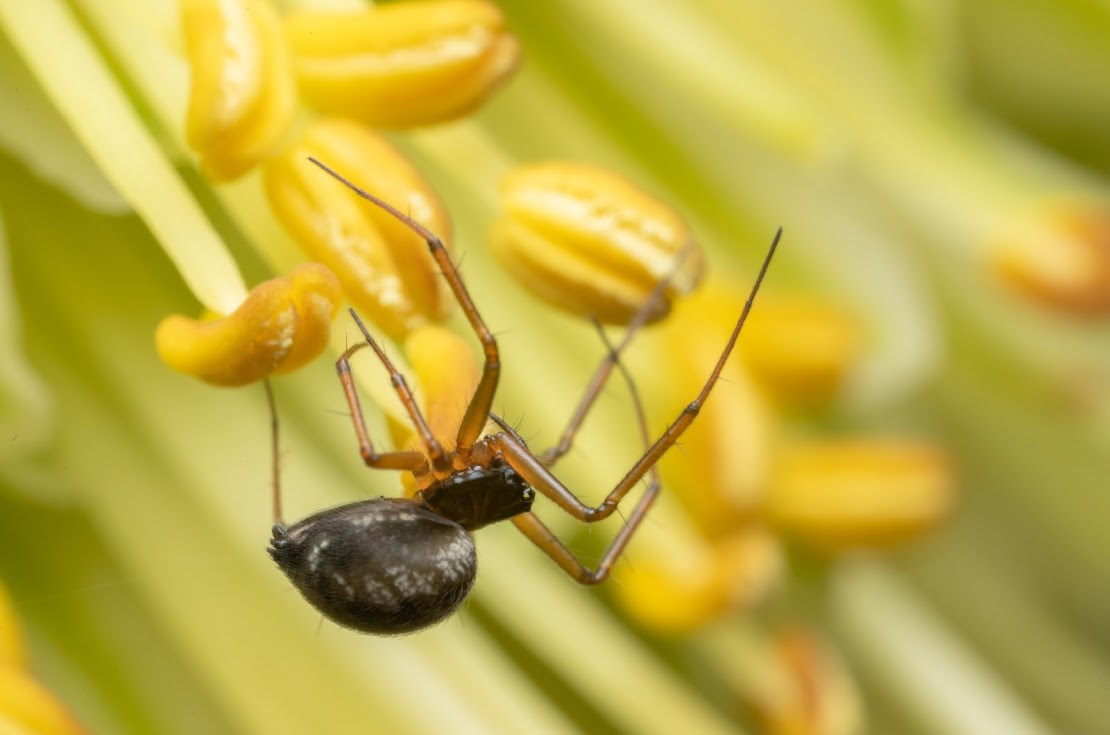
[{"x": 893, "y": 140}]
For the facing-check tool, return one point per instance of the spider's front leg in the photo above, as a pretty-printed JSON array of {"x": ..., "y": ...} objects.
[
  {"x": 611, "y": 361},
  {"x": 474, "y": 420},
  {"x": 404, "y": 460},
  {"x": 536, "y": 474}
]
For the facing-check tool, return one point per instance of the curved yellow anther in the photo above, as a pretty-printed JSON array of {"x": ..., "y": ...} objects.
[
  {"x": 384, "y": 266},
  {"x": 800, "y": 349},
  {"x": 857, "y": 493},
  {"x": 1059, "y": 256},
  {"x": 402, "y": 64},
  {"x": 590, "y": 241},
  {"x": 282, "y": 324},
  {"x": 243, "y": 95},
  {"x": 690, "y": 586}
]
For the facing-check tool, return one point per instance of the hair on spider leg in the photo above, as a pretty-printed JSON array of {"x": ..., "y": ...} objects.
[
  {"x": 396, "y": 565},
  {"x": 517, "y": 426}
]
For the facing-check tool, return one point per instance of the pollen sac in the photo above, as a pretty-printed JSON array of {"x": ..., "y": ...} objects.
[
  {"x": 386, "y": 566},
  {"x": 591, "y": 242},
  {"x": 283, "y": 324},
  {"x": 384, "y": 266},
  {"x": 242, "y": 95},
  {"x": 1059, "y": 257},
  {"x": 402, "y": 64},
  {"x": 847, "y": 494}
]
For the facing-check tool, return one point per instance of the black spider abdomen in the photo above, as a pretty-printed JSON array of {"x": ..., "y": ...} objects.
[{"x": 384, "y": 566}]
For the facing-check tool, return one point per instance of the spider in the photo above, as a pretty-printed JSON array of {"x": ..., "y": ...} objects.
[{"x": 391, "y": 566}]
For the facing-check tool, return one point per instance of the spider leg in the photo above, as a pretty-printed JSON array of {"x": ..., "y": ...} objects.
[
  {"x": 275, "y": 449},
  {"x": 539, "y": 534},
  {"x": 434, "y": 450},
  {"x": 532, "y": 469},
  {"x": 637, "y": 402},
  {"x": 404, "y": 460},
  {"x": 611, "y": 360},
  {"x": 474, "y": 420}
]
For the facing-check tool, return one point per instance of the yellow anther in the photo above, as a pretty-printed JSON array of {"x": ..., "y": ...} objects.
[
  {"x": 1059, "y": 257},
  {"x": 690, "y": 586},
  {"x": 384, "y": 266},
  {"x": 721, "y": 472},
  {"x": 590, "y": 241},
  {"x": 12, "y": 652},
  {"x": 243, "y": 95},
  {"x": 800, "y": 349},
  {"x": 281, "y": 325},
  {"x": 843, "y": 494},
  {"x": 402, "y": 64},
  {"x": 27, "y": 707}
]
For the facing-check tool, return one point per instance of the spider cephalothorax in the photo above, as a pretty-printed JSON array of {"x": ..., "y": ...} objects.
[{"x": 396, "y": 565}]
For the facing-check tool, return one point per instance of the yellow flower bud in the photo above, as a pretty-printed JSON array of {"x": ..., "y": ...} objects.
[
  {"x": 402, "y": 64},
  {"x": 27, "y": 707},
  {"x": 1059, "y": 257},
  {"x": 282, "y": 324},
  {"x": 691, "y": 585},
  {"x": 844, "y": 494},
  {"x": 242, "y": 97},
  {"x": 590, "y": 241},
  {"x": 720, "y": 472},
  {"x": 384, "y": 266},
  {"x": 799, "y": 349}
]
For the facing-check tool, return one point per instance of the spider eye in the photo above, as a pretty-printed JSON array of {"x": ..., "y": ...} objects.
[{"x": 382, "y": 566}]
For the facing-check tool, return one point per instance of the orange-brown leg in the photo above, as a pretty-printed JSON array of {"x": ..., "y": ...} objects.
[
  {"x": 611, "y": 360},
  {"x": 539, "y": 534},
  {"x": 432, "y": 448},
  {"x": 412, "y": 461},
  {"x": 474, "y": 420},
  {"x": 532, "y": 469},
  {"x": 589, "y": 397},
  {"x": 532, "y": 527},
  {"x": 634, "y": 393}
]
